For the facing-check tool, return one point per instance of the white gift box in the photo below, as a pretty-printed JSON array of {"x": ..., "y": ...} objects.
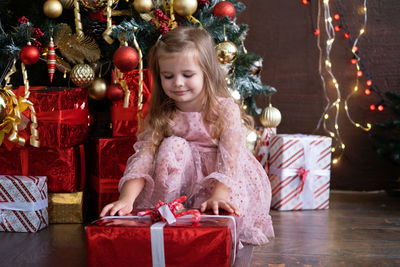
[{"x": 299, "y": 171}]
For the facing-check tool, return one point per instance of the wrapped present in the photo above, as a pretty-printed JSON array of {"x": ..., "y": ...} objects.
[
  {"x": 62, "y": 116},
  {"x": 65, "y": 168},
  {"x": 299, "y": 171},
  {"x": 23, "y": 203},
  {"x": 108, "y": 156},
  {"x": 102, "y": 192},
  {"x": 123, "y": 241},
  {"x": 66, "y": 207},
  {"x": 124, "y": 119},
  {"x": 262, "y": 153}
]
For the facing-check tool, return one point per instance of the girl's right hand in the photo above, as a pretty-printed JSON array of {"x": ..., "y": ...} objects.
[{"x": 120, "y": 207}]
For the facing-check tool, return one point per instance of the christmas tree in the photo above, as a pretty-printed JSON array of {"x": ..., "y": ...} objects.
[{"x": 67, "y": 43}]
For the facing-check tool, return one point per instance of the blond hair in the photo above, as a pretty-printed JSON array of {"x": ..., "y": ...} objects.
[{"x": 162, "y": 108}]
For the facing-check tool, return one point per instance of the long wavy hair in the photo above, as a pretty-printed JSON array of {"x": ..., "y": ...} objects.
[{"x": 182, "y": 40}]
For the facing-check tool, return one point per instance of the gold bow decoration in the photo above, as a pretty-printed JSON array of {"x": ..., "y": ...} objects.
[{"x": 14, "y": 107}]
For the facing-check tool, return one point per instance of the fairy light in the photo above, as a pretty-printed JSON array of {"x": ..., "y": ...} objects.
[
  {"x": 333, "y": 105},
  {"x": 359, "y": 72}
]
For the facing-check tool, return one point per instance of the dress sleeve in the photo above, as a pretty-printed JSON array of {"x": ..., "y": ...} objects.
[
  {"x": 140, "y": 164},
  {"x": 230, "y": 145}
]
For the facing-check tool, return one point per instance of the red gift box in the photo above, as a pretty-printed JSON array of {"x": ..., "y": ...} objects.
[
  {"x": 136, "y": 241},
  {"x": 108, "y": 156},
  {"x": 105, "y": 176},
  {"x": 65, "y": 168},
  {"x": 102, "y": 192},
  {"x": 62, "y": 116},
  {"x": 124, "y": 119}
]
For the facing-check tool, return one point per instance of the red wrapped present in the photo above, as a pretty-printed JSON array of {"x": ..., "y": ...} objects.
[
  {"x": 108, "y": 156},
  {"x": 299, "y": 171},
  {"x": 62, "y": 116},
  {"x": 265, "y": 137},
  {"x": 23, "y": 203},
  {"x": 102, "y": 192},
  {"x": 65, "y": 168},
  {"x": 136, "y": 240},
  {"x": 124, "y": 119}
]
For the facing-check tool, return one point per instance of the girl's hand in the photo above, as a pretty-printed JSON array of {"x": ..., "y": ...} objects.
[
  {"x": 217, "y": 203},
  {"x": 120, "y": 207}
]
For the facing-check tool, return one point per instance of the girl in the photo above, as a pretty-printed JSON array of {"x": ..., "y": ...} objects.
[{"x": 194, "y": 141}]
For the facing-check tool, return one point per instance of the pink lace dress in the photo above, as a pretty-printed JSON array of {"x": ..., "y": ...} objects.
[{"x": 190, "y": 162}]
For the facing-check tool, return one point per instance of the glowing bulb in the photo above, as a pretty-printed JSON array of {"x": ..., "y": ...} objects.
[
  {"x": 328, "y": 63},
  {"x": 359, "y": 73},
  {"x": 369, "y": 126},
  {"x": 337, "y": 105},
  {"x": 336, "y": 16},
  {"x": 346, "y": 35},
  {"x": 367, "y": 91},
  {"x": 372, "y": 107},
  {"x": 326, "y": 116},
  {"x": 329, "y": 19},
  {"x": 334, "y": 81},
  {"x": 343, "y": 146},
  {"x": 337, "y": 28},
  {"x": 244, "y": 107},
  {"x": 333, "y": 149},
  {"x": 345, "y": 107},
  {"x": 355, "y": 89},
  {"x": 380, "y": 107},
  {"x": 332, "y": 134},
  {"x": 336, "y": 126},
  {"x": 316, "y": 32},
  {"x": 369, "y": 82},
  {"x": 326, "y": 2},
  {"x": 362, "y": 31},
  {"x": 334, "y": 161},
  {"x": 357, "y": 125},
  {"x": 305, "y": 2},
  {"x": 354, "y": 49},
  {"x": 353, "y": 61}
]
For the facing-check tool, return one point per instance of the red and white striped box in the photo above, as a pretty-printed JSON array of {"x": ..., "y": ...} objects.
[
  {"x": 265, "y": 137},
  {"x": 299, "y": 171},
  {"x": 23, "y": 203}
]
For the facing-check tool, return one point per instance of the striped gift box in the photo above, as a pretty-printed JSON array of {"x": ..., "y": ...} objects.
[
  {"x": 299, "y": 171},
  {"x": 23, "y": 203}
]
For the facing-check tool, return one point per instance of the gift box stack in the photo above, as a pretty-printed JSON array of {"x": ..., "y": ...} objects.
[
  {"x": 62, "y": 117},
  {"x": 299, "y": 171}
]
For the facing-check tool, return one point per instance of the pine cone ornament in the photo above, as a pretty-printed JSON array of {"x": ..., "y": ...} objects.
[{"x": 94, "y": 28}]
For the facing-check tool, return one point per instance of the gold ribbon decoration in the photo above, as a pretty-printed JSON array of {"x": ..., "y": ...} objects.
[
  {"x": 106, "y": 34},
  {"x": 78, "y": 23},
  {"x": 140, "y": 89}
]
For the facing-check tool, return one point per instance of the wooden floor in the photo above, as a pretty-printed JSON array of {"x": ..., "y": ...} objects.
[{"x": 359, "y": 229}]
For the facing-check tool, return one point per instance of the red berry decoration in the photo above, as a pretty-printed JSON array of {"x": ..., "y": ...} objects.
[
  {"x": 125, "y": 58},
  {"x": 224, "y": 9},
  {"x": 29, "y": 55},
  {"x": 115, "y": 92}
]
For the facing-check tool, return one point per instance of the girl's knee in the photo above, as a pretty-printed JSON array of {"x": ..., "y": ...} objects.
[{"x": 173, "y": 144}]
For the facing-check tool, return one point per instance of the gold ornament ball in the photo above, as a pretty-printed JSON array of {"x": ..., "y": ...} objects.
[
  {"x": 143, "y": 6},
  {"x": 82, "y": 75},
  {"x": 98, "y": 88},
  {"x": 185, "y": 7},
  {"x": 270, "y": 117},
  {"x": 3, "y": 108},
  {"x": 52, "y": 8},
  {"x": 227, "y": 52},
  {"x": 67, "y": 4}
]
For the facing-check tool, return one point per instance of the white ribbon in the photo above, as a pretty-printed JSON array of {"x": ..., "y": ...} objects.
[
  {"x": 307, "y": 194},
  {"x": 157, "y": 234},
  {"x": 24, "y": 206}
]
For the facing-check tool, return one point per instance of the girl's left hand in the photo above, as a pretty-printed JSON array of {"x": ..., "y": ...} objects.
[{"x": 217, "y": 203}]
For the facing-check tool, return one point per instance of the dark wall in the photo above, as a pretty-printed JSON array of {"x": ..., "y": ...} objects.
[{"x": 281, "y": 32}]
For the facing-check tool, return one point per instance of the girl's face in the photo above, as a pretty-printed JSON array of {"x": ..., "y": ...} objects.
[{"x": 182, "y": 80}]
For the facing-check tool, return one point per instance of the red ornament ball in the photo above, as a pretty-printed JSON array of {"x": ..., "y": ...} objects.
[
  {"x": 224, "y": 8},
  {"x": 115, "y": 92},
  {"x": 29, "y": 55},
  {"x": 125, "y": 58}
]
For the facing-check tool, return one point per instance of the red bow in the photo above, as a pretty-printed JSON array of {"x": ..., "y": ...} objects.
[
  {"x": 302, "y": 173},
  {"x": 176, "y": 208}
]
